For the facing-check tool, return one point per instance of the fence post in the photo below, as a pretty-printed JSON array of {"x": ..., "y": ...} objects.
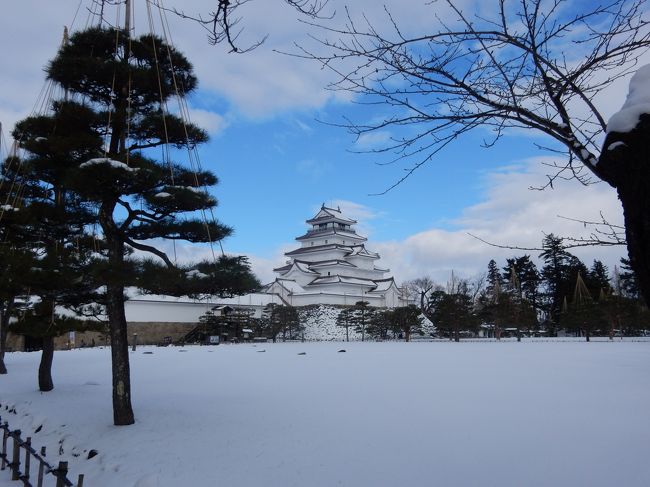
[
  {"x": 61, "y": 474},
  {"x": 41, "y": 468},
  {"x": 80, "y": 480},
  {"x": 28, "y": 457},
  {"x": 5, "y": 433},
  {"x": 15, "y": 462}
]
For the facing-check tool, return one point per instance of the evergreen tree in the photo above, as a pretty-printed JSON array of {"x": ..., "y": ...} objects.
[
  {"x": 56, "y": 144},
  {"x": 559, "y": 275},
  {"x": 17, "y": 255},
  {"x": 361, "y": 315},
  {"x": 493, "y": 277},
  {"x": 126, "y": 82},
  {"x": 345, "y": 319},
  {"x": 279, "y": 318},
  {"x": 528, "y": 278},
  {"x": 598, "y": 280},
  {"x": 583, "y": 313},
  {"x": 453, "y": 313},
  {"x": 407, "y": 320},
  {"x": 629, "y": 284},
  {"x": 380, "y": 324}
]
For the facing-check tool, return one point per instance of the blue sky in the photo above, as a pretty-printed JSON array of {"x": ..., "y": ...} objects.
[{"x": 277, "y": 163}]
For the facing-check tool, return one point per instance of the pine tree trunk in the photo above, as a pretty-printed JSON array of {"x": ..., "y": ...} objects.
[
  {"x": 4, "y": 322},
  {"x": 45, "y": 382},
  {"x": 122, "y": 409},
  {"x": 407, "y": 335}
]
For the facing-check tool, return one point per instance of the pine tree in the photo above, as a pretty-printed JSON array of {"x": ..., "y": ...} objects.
[
  {"x": 559, "y": 274},
  {"x": 279, "y": 318},
  {"x": 361, "y": 315},
  {"x": 598, "y": 280},
  {"x": 406, "y": 320},
  {"x": 345, "y": 320},
  {"x": 493, "y": 277},
  {"x": 380, "y": 324},
  {"x": 127, "y": 83},
  {"x": 583, "y": 314},
  {"x": 17, "y": 254},
  {"x": 454, "y": 312},
  {"x": 62, "y": 281},
  {"x": 629, "y": 284},
  {"x": 528, "y": 277}
]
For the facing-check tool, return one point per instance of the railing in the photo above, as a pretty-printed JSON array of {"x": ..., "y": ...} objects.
[{"x": 23, "y": 449}]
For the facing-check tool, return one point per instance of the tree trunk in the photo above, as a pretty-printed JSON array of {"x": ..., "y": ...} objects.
[
  {"x": 45, "y": 368},
  {"x": 626, "y": 166},
  {"x": 4, "y": 322},
  {"x": 636, "y": 209},
  {"x": 122, "y": 409},
  {"x": 407, "y": 335}
]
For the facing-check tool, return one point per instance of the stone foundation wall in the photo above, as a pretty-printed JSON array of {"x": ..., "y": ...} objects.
[
  {"x": 149, "y": 333},
  {"x": 15, "y": 342}
]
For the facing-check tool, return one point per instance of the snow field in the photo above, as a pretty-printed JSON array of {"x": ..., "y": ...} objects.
[{"x": 379, "y": 414}]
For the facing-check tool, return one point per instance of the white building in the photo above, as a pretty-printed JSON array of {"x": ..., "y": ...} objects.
[{"x": 333, "y": 266}]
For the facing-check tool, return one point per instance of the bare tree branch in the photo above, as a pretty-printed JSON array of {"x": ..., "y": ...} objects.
[
  {"x": 531, "y": 64},
  {"x": 222, "y": 24}
]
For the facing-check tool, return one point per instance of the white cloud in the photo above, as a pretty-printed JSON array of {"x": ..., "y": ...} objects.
[
  {"x": 258, "y": 84},
  {"x": 210, "y": 121},
  {"x": 312, "y": 169},
  {"x": 510, "y": 214},
  {"x": 371, "y": 140}
]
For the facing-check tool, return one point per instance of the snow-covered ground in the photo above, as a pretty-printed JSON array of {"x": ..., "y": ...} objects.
[{"x": 380, "y": 414}]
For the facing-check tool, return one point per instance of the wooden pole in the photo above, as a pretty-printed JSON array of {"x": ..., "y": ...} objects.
[
  {"x": 62, "y": 473},
  {"x": 28, "y": 457},
  {"x": 41, "y": 468},
  {"x": 5, "y": 433},
  {"x": 80, "y": 480},
  {"x": 127, "y": 18},
  {"x": 15, "y": 463}
]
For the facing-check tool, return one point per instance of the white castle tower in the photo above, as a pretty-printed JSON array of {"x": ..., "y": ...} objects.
[{"x": 333, "y": 266}]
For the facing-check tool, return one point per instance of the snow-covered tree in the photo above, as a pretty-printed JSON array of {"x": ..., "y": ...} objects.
[{"x": 126, "y": 82}]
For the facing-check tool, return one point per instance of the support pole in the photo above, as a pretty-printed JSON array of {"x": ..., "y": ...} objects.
[{"x": 15, "y": 462}]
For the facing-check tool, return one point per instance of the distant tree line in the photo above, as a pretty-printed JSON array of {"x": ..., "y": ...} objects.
[{"x": 519, "y": 298}]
